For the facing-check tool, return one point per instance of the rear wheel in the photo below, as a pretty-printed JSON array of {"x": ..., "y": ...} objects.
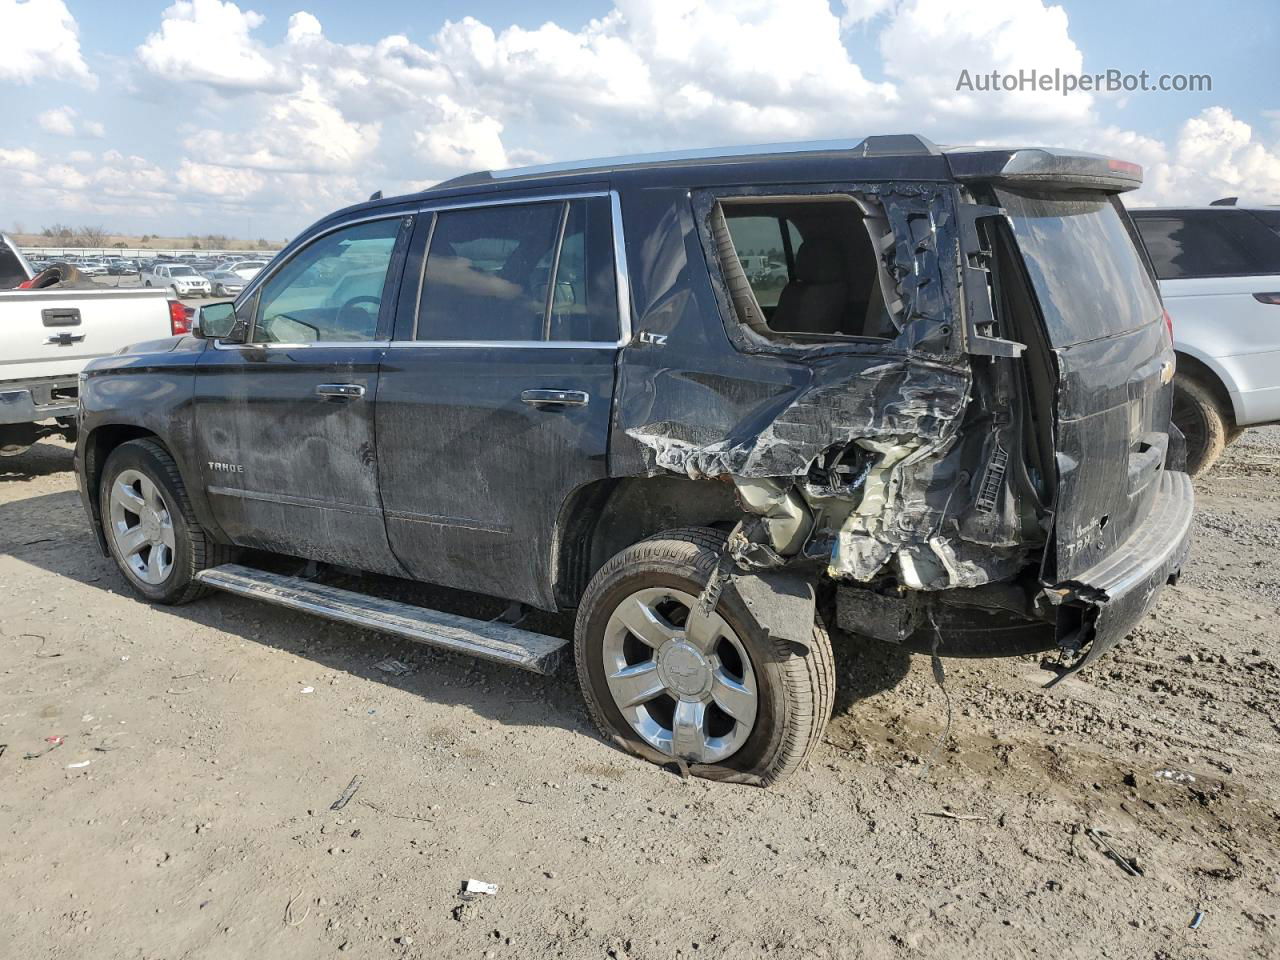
[
  {"x": 151, "y": 528},
  {"x": 732, "y": 702},
  {"x": 1197, "y": 414}
]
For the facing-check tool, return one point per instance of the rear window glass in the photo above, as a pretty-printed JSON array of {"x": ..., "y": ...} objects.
[
  {"x": 1208, "y": 243},
  {"x": 490, "y": 270},
  {"x": 1088, "y": 274}
]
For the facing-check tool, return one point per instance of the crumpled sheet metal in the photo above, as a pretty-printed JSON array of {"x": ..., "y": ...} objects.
[{"x": 848, "y": 398}]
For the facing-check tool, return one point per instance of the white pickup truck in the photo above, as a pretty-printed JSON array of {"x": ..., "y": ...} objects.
[{"x": 48, "y": 335}]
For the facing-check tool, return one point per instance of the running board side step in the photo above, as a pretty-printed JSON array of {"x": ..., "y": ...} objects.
[{"x": 481, "y": 638}]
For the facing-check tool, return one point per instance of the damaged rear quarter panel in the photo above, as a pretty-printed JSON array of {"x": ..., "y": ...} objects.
[{"x": 719, "y": 400}]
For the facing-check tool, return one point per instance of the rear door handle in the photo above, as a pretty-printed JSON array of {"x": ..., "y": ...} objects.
[
  {"x": 555, "y": 398},
  {"x": 340, "y": 391}
]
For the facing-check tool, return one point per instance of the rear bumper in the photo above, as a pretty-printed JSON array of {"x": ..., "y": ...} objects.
[
  {"x": 34, "y": 401},
  {"x": 1111, "y": 597}
]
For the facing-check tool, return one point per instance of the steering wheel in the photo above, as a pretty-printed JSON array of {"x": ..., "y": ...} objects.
[{"x": 356, "y": 301}]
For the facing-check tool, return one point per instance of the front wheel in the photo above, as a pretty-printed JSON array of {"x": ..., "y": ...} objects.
[
  {"x": 151, "y": 528},
  {"x": 732, "y": 702}
]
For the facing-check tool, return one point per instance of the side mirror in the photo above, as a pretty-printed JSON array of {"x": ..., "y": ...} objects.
[{"x": 218, "y": 321}]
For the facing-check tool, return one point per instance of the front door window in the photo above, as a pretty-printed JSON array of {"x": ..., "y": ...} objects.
[{"x": 332, "y": 290}]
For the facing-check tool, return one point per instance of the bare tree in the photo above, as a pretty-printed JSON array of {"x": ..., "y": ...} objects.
[{"x": 92, "y": 236}]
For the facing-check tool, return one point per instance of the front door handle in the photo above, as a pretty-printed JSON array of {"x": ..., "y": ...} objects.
[
  {"x": 340, "y": 391},
  {"x": 555, "y": 398}
]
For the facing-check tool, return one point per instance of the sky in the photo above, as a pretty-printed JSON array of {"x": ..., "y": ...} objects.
[{"x": 255, "y": 119}]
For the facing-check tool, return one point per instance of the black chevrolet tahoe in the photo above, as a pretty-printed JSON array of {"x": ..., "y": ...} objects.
[{"x": 724, "y": 404}]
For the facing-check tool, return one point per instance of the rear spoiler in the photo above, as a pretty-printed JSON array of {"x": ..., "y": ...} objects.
[{"x": 1037, "y": 165}]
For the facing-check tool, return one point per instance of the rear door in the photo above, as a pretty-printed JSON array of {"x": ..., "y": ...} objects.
[
  {"x": 495, "y": 398},
  {"x": 1111, "y": 347},
  {"x": 285, "y": 422}
]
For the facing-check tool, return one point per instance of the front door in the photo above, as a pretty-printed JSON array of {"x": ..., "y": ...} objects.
[
  {"x": 285, "y": 422},
  {"x": 494, "y": 401}
]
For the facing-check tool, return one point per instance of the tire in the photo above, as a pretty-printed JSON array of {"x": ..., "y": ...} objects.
[
  {"x": 170, "y": 529},
  {"x": 1197, "y": 414},
  {"x": 794, "y": 688}
]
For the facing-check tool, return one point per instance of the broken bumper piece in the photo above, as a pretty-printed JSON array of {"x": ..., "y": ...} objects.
[{"x": 1105, "y": 603}]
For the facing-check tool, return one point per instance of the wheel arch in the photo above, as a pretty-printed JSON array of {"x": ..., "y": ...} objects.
[
  {"x": 1205, "y": 370},
  {"x": 98, "y": 444},
  {"x": 604, "y": 517}
]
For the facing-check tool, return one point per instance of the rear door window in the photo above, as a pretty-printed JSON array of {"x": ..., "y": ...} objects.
[
  {"x": 1208, "y": 243},
  {"x": 1085, "y": 265},
  {"x": 521, "y": 273}
]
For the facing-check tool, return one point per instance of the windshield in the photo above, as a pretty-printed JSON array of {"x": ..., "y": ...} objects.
[
  {"x": 1089, "y": 277},
  {"x": 181, "y": 272}
]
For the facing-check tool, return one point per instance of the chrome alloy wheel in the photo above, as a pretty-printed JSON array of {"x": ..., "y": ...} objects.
[
  {"x": 141, "y": 526},
  {"x": 693, "y": 697}
]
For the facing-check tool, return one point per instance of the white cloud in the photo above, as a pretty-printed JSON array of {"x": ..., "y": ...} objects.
[
  {"x": 60, "y": 121},
  {"x": 65, "y": 122},
  {"x": 41, "y": 40},
  {"x": 302, "y": 133},
  {"x": 20, "y": 159},
  {"x": 1215, "y": 155},
  {"x": 207, "y": 41},
  {"x": 293, "y": 128},
  {"x": 212, "y": 180},
  {"x": 927, "y": 44},
  {"x": 460, "y": 138}
]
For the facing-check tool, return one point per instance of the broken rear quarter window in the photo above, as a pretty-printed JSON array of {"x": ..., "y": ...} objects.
[{"x": 809, "y": 264}]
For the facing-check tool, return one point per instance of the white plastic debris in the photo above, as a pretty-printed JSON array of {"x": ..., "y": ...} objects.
[
  {"x": 308, "y": 689},
  {"x": 479, "y": 886},
  {"x": 77, "y": 766},
  {"x": 1177, "y": 776},
  {"x": 394, "y": 667}
]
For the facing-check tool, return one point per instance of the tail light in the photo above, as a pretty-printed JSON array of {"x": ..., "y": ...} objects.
[
  {"x": 1273, "y": 298},
  {"x": 1168, "y": 325},
  {"x": 180, "y": 318}
]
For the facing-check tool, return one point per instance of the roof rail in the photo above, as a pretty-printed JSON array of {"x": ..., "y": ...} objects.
[{"x": 891, "y": 145}]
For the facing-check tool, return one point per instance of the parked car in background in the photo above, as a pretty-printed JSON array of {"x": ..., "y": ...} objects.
[
  {"x": 950, "y": 426},
  {"x": 90, "y": 268},
  {"x": 47, "y": 335},
  {"x": 120, "y": 267},
  {"x": 248, "y": 269},
  {"x": 225, "y": 282},
  {"x": 1219, "y": 270},
  {"x": 14, "y": 268},
  {"x": 180, "y": 278}
]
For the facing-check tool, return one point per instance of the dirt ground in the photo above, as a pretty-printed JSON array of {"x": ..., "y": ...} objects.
[{"x": 217, "y": 736}]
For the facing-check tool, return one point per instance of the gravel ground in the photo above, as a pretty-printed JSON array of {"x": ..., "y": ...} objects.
[{"x": 217, "y": 735}]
